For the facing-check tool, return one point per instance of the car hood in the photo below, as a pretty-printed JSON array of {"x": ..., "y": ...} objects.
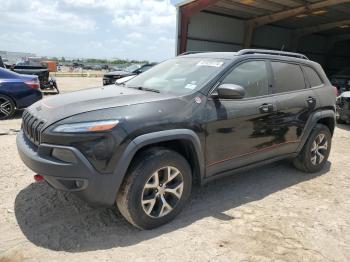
[{"x": 56, "y": 108}]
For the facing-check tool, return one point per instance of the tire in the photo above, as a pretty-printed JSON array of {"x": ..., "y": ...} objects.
[
  {"x": 7, "y": 107},
  {"x": 320, "y": 140},
  {"x": 141, "y": 199}
]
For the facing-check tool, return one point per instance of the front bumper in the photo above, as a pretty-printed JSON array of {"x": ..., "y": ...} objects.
[{"x": 77, "y": 176}]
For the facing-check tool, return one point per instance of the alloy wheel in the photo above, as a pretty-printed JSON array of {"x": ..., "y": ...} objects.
[
  {"x": 6, "y": 107},
  {"x": 162, "y": 192},
  {"x": 319, "y": 149}
]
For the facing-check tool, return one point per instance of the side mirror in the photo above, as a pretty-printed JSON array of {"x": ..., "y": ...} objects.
[{"x": 230, "y": 91}]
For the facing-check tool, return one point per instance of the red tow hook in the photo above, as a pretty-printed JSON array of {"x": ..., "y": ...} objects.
[{"x": 38, "y": 178}]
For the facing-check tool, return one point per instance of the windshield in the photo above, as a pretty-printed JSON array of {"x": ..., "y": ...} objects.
[{"x": 180, "y": 75}]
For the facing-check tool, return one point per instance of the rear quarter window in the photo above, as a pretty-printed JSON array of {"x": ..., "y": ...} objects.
[
  {"x": 287, "y": 77},
  {"x": 312, "y": 76}
]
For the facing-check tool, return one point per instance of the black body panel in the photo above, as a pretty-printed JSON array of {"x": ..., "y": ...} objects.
[{"x": 225, "y": 134}]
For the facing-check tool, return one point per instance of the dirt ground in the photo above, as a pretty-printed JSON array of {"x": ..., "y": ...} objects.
[{"x": 274, "y": 213}]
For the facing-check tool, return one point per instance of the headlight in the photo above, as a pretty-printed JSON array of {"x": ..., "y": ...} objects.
[{"x": 86, "y": 127}]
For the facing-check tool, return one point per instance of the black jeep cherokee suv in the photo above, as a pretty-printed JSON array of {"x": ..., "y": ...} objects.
[{"x": 192, "y": 118}]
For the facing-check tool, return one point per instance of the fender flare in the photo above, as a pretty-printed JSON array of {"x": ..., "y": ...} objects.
[
  {"x": 312, "y": 122},
  {"x": 152, "y": 138}
]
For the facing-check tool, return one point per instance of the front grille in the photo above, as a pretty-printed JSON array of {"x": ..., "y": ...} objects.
[{"x": 32, "y": 127}]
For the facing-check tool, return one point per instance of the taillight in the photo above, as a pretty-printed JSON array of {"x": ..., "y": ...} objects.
[
  {"x": 336, "y": 91},
  {"x": 33, "y": 83}
]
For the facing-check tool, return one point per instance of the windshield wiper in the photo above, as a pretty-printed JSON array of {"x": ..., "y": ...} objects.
[{"x": 145, "y": 89}]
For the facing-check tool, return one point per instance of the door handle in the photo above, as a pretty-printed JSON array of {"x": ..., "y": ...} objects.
[{"x": 266, "y": 108}]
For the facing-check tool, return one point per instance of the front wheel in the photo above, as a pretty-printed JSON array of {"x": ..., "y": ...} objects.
[
  {"x": 156, "y": 188},
  {"x": 316, "y": 150}
]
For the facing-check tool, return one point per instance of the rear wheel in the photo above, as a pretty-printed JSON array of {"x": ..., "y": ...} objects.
[
  {"x": 7, "y": 107},
  {"x": 156, "y": 188},
  {"x": 316, "y": 150}
]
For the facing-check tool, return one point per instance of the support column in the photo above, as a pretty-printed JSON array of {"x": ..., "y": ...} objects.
[
  {"x": 248, "y": 34},
  {"x": 184, "y": 33}
]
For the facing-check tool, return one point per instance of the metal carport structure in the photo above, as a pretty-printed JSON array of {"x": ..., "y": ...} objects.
[{"x": 318, "y": 28}]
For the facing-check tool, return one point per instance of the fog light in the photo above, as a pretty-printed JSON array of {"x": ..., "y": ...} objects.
[
  {"x": 64, "y": 155},
  {"x": 79, "y": 183}
]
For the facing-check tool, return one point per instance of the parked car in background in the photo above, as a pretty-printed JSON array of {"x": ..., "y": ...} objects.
[
  {"x": 87, "y": 67},
  {"x": 96, "y": 67},
  {"x": 341, "y": 80},
  {"x": 47, "y": 83},
  {"x": 105, "y": 67},
  {"x": 111, "y": 77},
  {"x": 17, "y": 92},
  {"x": 188, "y": 120},
  {"x": 343, "y": 108}
]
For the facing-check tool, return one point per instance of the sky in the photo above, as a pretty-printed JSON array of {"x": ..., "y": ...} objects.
[{"x": 127, "y": 29}]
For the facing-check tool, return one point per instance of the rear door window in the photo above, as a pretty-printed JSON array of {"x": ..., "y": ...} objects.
[
  {"x": 287, "y": 77},
  {"x": 312, "y": 76}
]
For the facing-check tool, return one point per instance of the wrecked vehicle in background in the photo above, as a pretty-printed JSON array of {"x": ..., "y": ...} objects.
[
  {"x": 17, "y": 92},
  {"x": 343, "y": 108},
  {"x": 111, "y": 77},
  {"x": 47, "y": 84},
  {"x": 341, "y": 80},
  {"x": 41, "y": 70}
]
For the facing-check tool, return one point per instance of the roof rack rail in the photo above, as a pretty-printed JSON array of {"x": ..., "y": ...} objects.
[
  {"x": 192, "y": 52},
  {"x": 271, "y": 52}
]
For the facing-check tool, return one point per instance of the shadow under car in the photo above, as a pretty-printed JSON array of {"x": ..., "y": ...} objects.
[{"x": 60, "y": 221}]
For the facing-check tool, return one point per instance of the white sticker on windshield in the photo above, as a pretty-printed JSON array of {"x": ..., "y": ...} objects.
[
  {"x": 210, "y": 63},
  {"x": 190, "y": 86}
]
